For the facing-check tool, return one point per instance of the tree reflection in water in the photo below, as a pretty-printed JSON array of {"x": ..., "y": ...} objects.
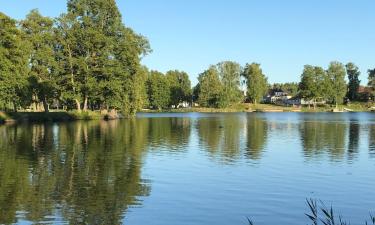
[
  {"x": 87, "y": 172},
  {"x": 91, "y": 172}
]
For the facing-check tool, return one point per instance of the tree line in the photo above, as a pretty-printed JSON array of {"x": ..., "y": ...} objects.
[
  {"x": 220, "y": 85},
  {"x": 330, "y": 84},
  {"x": 87, "y": 59},
  {"x": 84, "y": 59}
]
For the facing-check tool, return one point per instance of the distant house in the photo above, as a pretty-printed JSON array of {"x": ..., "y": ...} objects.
[
  {"x": 277, "y": 97},
  {"x": 301, "y": 101},
  {"x": 365, "y": 93},
  {"x": 184, "y": 104}
]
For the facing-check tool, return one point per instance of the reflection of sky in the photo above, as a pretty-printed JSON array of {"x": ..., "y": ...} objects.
[
  {"x": 194, "y": 181},
  {"x": 191, "y": 188}
]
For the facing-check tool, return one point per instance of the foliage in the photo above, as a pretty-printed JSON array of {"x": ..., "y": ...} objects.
[
  {"x": 337, "y": 86},
  {"x": 353, "y": 76},
  {"x": 158, "y": 90},
  {"x": 43, "y": 67},
  {"x": 290, "y": 87},
  {"x": 371, "y": 79},
  {"x": 256, "y": 82},
  {"x": 210, "y": 88},
  {"x": 318, "y": 83},
  {"x": 180, "y": 87},
  {"x": 314, "y": 83},
  {"x": 230, "y": 75},
  {"x": 86, "y": 58},
  {"x": 219, "y": 86},
  {"x": 13, "y": 63}
]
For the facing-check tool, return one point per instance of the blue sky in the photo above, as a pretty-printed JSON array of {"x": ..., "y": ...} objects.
[{"x": 281, "y": 35}]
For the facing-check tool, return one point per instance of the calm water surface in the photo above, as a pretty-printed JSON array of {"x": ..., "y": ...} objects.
[{"x": 171, "y": 169}]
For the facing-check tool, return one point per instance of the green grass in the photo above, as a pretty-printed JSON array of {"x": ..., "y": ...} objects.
[{"x": 359, "y": 106}]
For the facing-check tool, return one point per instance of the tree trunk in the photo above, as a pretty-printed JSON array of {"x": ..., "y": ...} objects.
[
  {"x": 78, "y": 105},
  {"x": 45, "y": 105},
  {"x": 14, "y": 106},
  {"x": 85, "y": 104},
  {"x": 314, "y": 102},
  {"x": 34, "y": 103}
]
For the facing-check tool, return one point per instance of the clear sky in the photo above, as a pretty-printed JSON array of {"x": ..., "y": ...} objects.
[{"x": 282, "y": 35}]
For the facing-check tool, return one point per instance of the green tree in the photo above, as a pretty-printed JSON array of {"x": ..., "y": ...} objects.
[
  {"x": 70, "y": 62},
  {"x": 43, "y": 72},
  {"x": 180, "y": 87},
  {"x": 210, "y": 88},
  {"x": 354, "y": 82},
  {"x": 13, "y": 62},
  {"x": 158, "y": 90},
  {"x": 98, "y": 23},
  {"x": 336, "y": 74},
  {"x": 290, "y": 87},
  {"x": 371, "y": 79},
  {"x": 128, "y": 72},
  {"x": 313, "y": 83},
  {"x": 230, "y": 76},
  {"x": 101, "y": 57},
  {"x": 256, "y": 82},
  {"x": 195, "y": 92}
]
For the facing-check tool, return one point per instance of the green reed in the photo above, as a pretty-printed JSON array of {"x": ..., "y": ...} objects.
[{"x": 321, "y": 214}]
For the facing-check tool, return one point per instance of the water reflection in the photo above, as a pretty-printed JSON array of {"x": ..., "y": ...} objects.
[
  {"x": 256, "y": 136},
  {"x": 353, "y": 146},
  {"x": 91, "y": 172},
  {"x": 171, "y": 132},
  {"x": 322, "y": 137},
  {"x": 371, "y": 140},
  {"x": 223, "y": 137},
  {"x": 85, "y": 172}
]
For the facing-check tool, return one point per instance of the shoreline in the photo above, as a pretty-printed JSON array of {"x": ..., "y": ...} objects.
[
  {"x": 62, "y": 116},
  {"x": 251, "y": 111},
  {"x": 264, "y": 108}
]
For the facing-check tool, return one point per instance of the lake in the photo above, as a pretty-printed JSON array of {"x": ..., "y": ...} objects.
[{"x": 188, "y": 168}]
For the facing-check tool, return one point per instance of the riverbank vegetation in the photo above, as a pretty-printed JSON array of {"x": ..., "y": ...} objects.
[
  {"x": 88, "y": 60},
  {"x": 319, "y": 213}
]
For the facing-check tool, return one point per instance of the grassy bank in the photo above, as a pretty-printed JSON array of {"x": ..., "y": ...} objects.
[
  {"x": 48, "y": 117},
  {"x": 246, "y": 107}
]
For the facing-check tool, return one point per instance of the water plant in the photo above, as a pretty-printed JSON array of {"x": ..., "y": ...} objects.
[{"x": 327, "y": 217}]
